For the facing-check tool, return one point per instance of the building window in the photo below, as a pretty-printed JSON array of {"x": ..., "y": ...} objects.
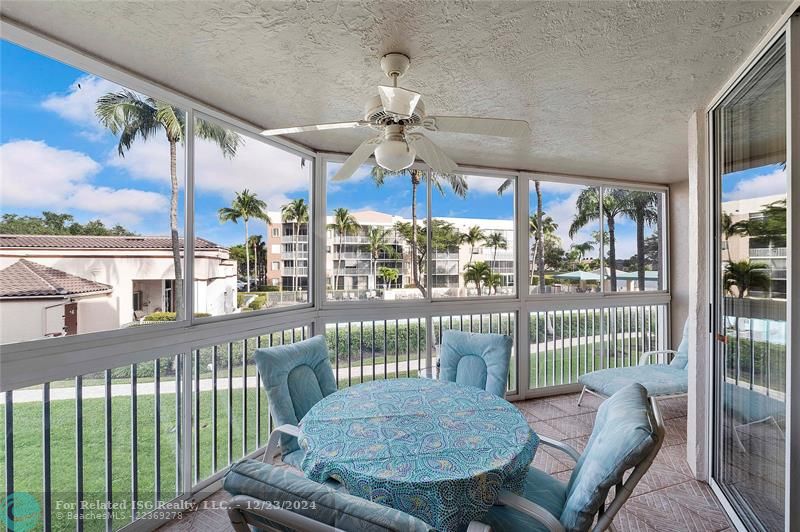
[
  {"x": 276, "y": 265},
  {"x": 276, "y": 232},
  {"x": 137, "y": 300}
]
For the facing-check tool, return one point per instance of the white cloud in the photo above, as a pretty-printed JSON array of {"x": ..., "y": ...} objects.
[
  {"x": 78, "y": 104},
  {"x": 270, "y": 172},
  {"x": 563, "y": 211},
  {"x": 35, "y": 175},
  {"x": 484, "y": 185},
  {"x": 762, "y": 185}
]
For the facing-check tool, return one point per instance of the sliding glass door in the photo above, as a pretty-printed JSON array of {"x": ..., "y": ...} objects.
[{"x": 750, "y": 293}]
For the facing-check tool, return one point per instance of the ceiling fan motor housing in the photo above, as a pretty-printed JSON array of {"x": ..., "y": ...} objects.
[{"x": 375, "y": 114}]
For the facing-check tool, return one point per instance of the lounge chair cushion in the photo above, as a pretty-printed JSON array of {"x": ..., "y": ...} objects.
[
  {"x": 624, "y": 434},
  {"x": 332, "y": 507},
  {"x": 296, "y": 376},
  {"x": 681, "y": 359},
  {"x": 658, "y": 379},
  {"x": 474, "y": 359},
  {"x": 540, "y": 488}
]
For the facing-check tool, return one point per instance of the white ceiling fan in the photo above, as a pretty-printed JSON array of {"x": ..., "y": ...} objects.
[{"x": 398, "y": 114}]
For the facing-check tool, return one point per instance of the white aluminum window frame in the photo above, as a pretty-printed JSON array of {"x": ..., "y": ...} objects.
[{"x": 29, "y": 363}]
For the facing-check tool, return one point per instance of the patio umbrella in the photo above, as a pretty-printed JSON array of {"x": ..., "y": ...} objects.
[{"x": 578, "y": 275}]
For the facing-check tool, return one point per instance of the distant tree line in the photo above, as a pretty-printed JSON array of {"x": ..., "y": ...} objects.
[{"x": 52, "y": 223}]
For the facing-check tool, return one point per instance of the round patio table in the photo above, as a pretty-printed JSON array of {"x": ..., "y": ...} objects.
[{"x": 437, "y": 450}]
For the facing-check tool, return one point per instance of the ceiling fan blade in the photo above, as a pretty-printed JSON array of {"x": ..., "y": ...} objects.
[
  {"x": 432, "y": 154},
  {"x": 398, "y": 101},
  {"x": 356, "y": 159},
  {"x": 495, "y": 127},
  {"x": 317, "y": 127}
]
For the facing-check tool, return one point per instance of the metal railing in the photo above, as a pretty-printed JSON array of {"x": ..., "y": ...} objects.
[
  {"x": 102, "y": 450},
  {"x": 768, "y": 252},
  {"x": 567, "y": 343}
]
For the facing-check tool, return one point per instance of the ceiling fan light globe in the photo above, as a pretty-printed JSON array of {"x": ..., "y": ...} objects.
[{"x": 394, "y": 155}]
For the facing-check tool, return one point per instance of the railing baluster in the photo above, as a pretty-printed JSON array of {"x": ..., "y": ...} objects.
[
  {"x": 244, "y": 396},
  {"x": 214, "y": 408},
  {"x": 408, "y": 347},
  {"x": 752, "y": 356},
  {"x": 78, "y": 451},
  {"x": 109, "y": 466},
  {"x": 419, "y": 344},
  {"x": 46, "y": 478},
  {"x": 196, "y": 415},
  {"x": 157, "y": 428},
  {"x": 9, "y": 428},
  {"x": 561, "y": 365},
  {"x": 372, "y": 329},
  {"x": 361, "y": 350},
  {"x": 134, "y": 441},
  {"x": 396, "y": 348},
  {"x": 258, "y": 396},
  {"x": 349, "y": 354},
  {"x": 178, "y": 422},
  {"x": 336, "y": 350},
  {"x": 230, "y": 403},
  {"x": 570, "y": 346},
  {"x": 538, "y": 350},
  {"x": 385, "y": 351}
]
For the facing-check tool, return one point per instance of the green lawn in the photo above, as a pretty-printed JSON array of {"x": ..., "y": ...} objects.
[{"x": 28, "y": 455}]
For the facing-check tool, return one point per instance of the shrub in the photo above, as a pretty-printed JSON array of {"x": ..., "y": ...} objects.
[
  {"x": 268, "y": 288},
  {"x": 258, "y": 303},
  {"x": 170, "y": 316}
]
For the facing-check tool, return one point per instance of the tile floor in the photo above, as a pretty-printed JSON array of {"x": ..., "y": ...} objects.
[{"x": 667, "y": 498}]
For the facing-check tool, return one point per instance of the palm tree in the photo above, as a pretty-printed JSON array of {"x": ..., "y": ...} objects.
[
  {"x": 493, "y": 282},
  {"x": 539, "y": 235},
  {"x": 296, "y": 213},
  {"x": 255, "y": 242},
  {"x": 343, "y": 224},
  {"x": 588, "y": 209},
  {"x": 642, "y": 208},
  {"x": 745, "y": 275},
  {"x": 495, "y": 240},
  {"x": 477, "y": 273},
  {"x": 376, "y": 244},
  {"x": 473, "y": 237},
  {"x": 548, "y": 229},
  {"x": 389, "y": 275},
  {"x": 133, "y": 116},
  {"x": 456, "y": 182},
  {"x": 245, "y": 205},
  {"x": 583, "y": 249}
]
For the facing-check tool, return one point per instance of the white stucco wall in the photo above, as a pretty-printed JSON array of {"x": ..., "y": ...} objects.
[{"x": 679, "y": 257}]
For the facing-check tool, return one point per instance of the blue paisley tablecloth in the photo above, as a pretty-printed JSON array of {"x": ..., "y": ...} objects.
[{"x": 436, "y": 450}]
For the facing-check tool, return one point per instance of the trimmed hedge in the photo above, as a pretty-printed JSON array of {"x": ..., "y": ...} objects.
[{"x": 170, "y": 316}]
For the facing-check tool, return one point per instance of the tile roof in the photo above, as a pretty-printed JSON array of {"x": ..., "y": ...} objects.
[
  {"x": 97, "y": 242},
  {"x": 25, "y": 278}
]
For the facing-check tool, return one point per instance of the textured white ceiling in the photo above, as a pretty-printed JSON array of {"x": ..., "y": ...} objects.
[{"x": 606, "y": 86}]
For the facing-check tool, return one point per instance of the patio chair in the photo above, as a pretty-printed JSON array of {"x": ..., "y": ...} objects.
[
  {"x": 476, "y": 359},
  {"x": 660, "y": 380},
  {"x": 271, "y": 497},
  {"x": 628, "y": 433},
  {"x": 295, "y": 376}
]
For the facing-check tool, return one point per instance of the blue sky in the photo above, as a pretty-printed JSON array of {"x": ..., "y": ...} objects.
[{"x": 55, "y": 156}]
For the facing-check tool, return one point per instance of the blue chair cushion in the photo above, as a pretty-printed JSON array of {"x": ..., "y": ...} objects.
[
  {"x": 624, "y": 434},
  {"x": 296, "y": 376},
  {"x": 331, "y": 507},
  {"x": 658, "y": 379},
  {"x": 681, "y": 359},
  {"x": 294, "y": 458},
  {"x": 540, "y": 488},
  {"x": 474, "y": 359}
]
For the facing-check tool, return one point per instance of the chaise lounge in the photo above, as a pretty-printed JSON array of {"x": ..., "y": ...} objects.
[{"x": 660, "y": 380}]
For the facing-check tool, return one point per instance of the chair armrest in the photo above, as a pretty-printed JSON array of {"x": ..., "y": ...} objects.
[
  {"x": 242, "y": 507},
  {"x": 561, "y": 446},
  {"x": 475, "y": 526},
  {"x": 646, "y": 355},
  {"x": 275, "y": 440},
  {"x": 532, "y": 509}
]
